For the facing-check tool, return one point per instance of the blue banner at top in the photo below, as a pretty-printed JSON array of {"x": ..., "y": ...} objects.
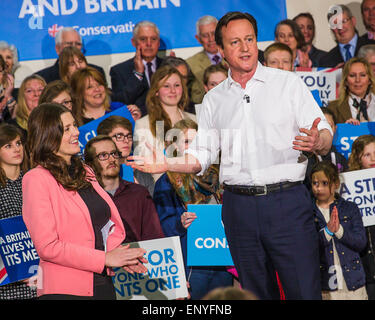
[{"x": 106, "y": 25}]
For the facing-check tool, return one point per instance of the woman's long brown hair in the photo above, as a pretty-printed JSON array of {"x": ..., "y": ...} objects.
[{"x": 43, "y": 142}]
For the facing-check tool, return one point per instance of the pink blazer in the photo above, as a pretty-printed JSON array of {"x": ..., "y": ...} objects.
[{"x": 60, "y": 226}]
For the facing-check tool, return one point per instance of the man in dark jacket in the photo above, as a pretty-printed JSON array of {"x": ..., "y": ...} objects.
[{"x": 131, "y": 78}]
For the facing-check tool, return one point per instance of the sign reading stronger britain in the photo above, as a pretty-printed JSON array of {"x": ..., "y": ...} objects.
[{"x": 106, "y": 26}]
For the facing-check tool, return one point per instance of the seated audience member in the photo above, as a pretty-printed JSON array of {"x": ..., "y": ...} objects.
[
  {"x": 71, "y": 59},
  {"x": 368, "y": 52},
  {"x": 67, "y": 214},
  {"x": 362, "y": 157},
  {"x": 173, "y": 192},
  {"x": 212, "y": 76},
  {"x": 332, "y": 156},
  {"x": 341, "y": 237},
  {"x": 120, "y": 130},
  {"x": 182, "y": 66},
  {"x": 356, "y": 102},
  {"x": 92, "y": 97},
  {"x": 230, "y": 293},
  {"x": 7, "y": 102},
  {"x": 133, "y": 201},
  {"x": 288, "y": 32},
  {"x": 278, "y": 55},
  {"x": 345, "y": 33},
  {"x": 12, "y": 168},
  {"x": 57, "y": 91},
  {"x": 306, "y": 24},
  {"x": 10, "y": 56},
  {"x": 166, "y": 101},
  {"x": 65, "y": 37},
  {"x": 131, "y": 79},
  {"x": 28, "y": 99},
  {"x": 368, "y": 14}
]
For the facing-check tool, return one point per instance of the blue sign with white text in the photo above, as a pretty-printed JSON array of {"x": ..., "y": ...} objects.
[
  {"x": 206, "y": 241},
  {"x": 347, "y": 133},
  {"x": 19, "y": 259},
  {"x": 88, "y": 131},
  {"x": 106, "y": 26}
]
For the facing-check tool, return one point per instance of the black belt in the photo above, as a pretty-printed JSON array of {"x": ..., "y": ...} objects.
[{"x": 261, "y": 190}]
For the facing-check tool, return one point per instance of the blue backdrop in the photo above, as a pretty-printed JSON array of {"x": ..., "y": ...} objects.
[{"x": 106, "y": 26}]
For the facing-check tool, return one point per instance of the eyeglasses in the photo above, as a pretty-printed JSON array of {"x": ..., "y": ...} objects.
[
  {"x": 207, "y": 34},
  {"x": 105, "y": 155},
  {"x": 72, "y": 43},
  {"x": 119, "y": 137}
]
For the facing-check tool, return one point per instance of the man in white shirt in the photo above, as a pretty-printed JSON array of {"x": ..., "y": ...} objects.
[{"x": 261, "y": 119}]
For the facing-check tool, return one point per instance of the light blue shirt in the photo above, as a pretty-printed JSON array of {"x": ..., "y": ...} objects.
[{"x": 353, "y": 44}]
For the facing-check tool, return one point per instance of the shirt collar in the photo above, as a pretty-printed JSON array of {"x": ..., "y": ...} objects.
[
  {"x": 153, "y": 63},
  {"x": 352, "y": 42},
  {"x": 259, "y": 75}
]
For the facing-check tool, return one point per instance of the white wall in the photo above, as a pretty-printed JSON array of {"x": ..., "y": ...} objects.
[{"x": 318, "y": 8}]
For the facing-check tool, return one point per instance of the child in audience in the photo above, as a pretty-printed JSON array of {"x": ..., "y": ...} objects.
[
  {"x": 363, "y": 157},
  {"x": 341, "y": 237}
]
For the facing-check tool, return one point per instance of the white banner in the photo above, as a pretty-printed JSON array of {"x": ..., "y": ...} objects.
[
  {"x": 165, "y": 277},
  {"x": 359, "y": 187}
]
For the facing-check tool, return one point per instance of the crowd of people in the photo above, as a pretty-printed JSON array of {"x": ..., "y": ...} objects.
[{"x": 80, "y": 211}]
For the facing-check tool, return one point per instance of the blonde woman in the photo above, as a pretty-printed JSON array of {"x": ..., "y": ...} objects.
[
  {"x": 356, "y": 102},
  {"x": 28, "y": 99},
  {"x": 165, "y": 101}
]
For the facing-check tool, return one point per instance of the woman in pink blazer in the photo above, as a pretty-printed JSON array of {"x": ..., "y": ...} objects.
[{"x": 75, "y": 226}]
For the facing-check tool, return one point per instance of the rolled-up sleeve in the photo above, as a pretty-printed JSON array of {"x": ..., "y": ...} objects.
[{"x": 206, "y": 145}]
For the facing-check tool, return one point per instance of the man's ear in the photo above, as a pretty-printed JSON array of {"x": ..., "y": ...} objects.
[
  {"x": 198, "y": 39},
  {"x": 134, "y": 42},
  {"x": 58, "y": 49}
]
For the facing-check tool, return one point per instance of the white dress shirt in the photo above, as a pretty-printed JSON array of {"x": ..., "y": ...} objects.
[{"x": 254, "y": 128}]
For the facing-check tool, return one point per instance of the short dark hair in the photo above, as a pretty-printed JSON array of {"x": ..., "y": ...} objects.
[
  {"x": 228, "y": 17},
  {"x": 325, "y": 111},
  {"x": 112, "y": 122}
]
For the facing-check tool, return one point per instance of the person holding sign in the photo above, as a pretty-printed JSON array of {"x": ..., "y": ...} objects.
[
  {"x": 342, "y": 237},
  {"x": 92, "y": 97},
  {"x": 259, "y": 120},
  {"x": 12, "y": 168},
  {"x": 74, "y": 224},
  {"x": 356, "y": 102},
  {"x": 363, "y": 157},
  {"x": 173, "y": 192}
]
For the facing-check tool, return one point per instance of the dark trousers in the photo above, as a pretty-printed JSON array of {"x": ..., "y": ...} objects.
[{"x": 274, "y": 232}]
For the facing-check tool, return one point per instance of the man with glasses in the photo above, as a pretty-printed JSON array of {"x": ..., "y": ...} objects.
[
  {"x": 66, "y": 37},
  {"x": 120, "y": 130},
  {"x": 210, "y": 55},
  {"x": 342, "y": 23},
  {"x": 133, "y": 201}
]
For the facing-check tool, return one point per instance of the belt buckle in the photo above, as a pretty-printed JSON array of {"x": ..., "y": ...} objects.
[{"x": 263, "y": 193}]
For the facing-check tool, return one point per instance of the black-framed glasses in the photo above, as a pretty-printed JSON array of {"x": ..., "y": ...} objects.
[
  {"x": 102, "y": 156},
  {"x": 119, "y": 137}
]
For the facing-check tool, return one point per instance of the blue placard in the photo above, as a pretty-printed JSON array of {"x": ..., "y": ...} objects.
[
  {"x": 18, "y": 254},
  {"x": 88, "y": 131},
  {"x": 127, "y": 173},
  {"x": 106, "y": 26},
  {"x": 206, "y": 241},
  {"x": 347, "y": 133}
]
